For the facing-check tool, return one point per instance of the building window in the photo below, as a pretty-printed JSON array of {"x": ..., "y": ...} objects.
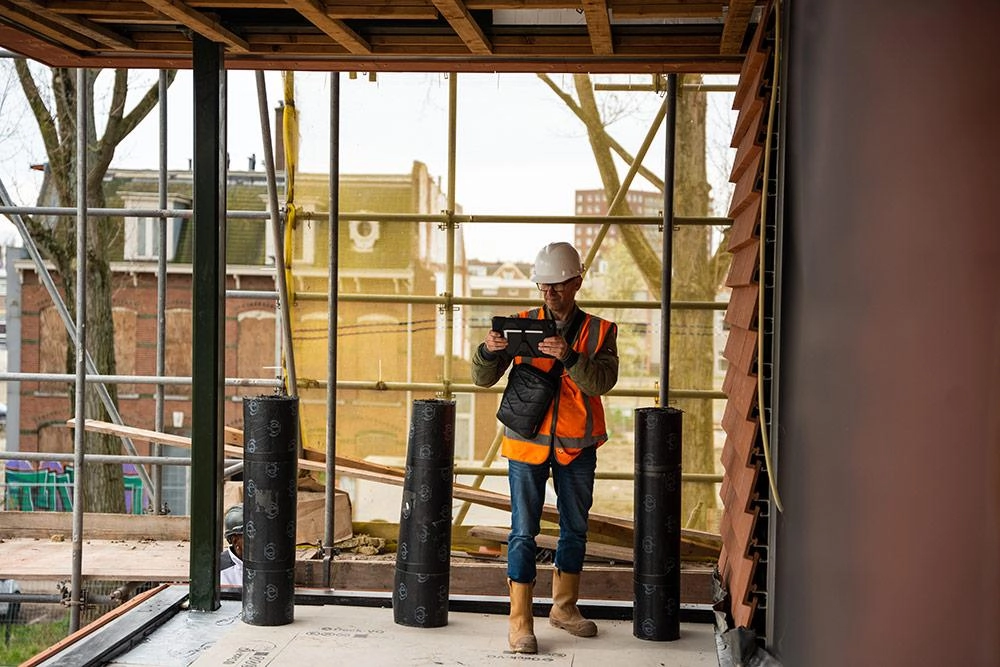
[
  {"x": 364, "y": 234},
  {"x": 125, "y": 347},
  {"x": 142, "y": 238},
  {"x": 52, "y": 344},
  {"x": 178, "y": 358},
  {"x": 176, "y": 482}
]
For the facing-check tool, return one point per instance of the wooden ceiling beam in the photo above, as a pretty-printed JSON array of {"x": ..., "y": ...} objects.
[
  {"x": 735, "y": 29},
  {"x": 383, "y": 11},
  {"x": 355, "y": 9},
  {"x": 599, "y": 26},
  {"x": 484, "y": 5},
  {"x": 674, "y": 9},
  {"x": 96, "y": 32},
  {"x": 460, "y": 19},
  {"x": 339, "y": 31},
  {"x": 46, "y": 27},
  {"x": 239, "y": 4},
  {"x": 199, "y": 23},
  {"x": 386, "y": 35},
  {"x": 98, "y": 9}
]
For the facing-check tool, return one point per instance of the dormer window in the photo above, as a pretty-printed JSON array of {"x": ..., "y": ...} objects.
[{"x": 142, "y": 233}]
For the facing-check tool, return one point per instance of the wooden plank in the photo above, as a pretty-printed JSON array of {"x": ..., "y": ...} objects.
[
  {"x": 594, "y": 549},
  {"x": 742, "y": 395},
  {"x": 737, "y": 22},
  {"x": 462, "y": 22},
  {"x": 200, "y": 23},
  {"x": 742, "y": 309},
  {"x": 616, "y": 529},
  {"x": 43, "y": 26},
  {"x": 104, "y": 619},
  {"x": 695, "y": 546},
  {"x": 121, "y": 560},
  {"x": 80, "y": 25},
  {"x": 599, "y": 582},
  {"x": 44, "y": 525},
  {"x": 750, "y": 149},
  {"x": 740, "y": 351},
  {"x": 111, "y": 560},
  {"x": 743, "y": 268},
  {"x": 741, "y": 434},
  {"x": 339, "y": 31},
  {"x": 746, "y": 221},
  {"x": 641, "y": 9},
  {"x": 598, "y": 26}
]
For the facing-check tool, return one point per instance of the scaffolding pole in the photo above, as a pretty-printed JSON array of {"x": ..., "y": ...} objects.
[
  {"x": 333, "y": 241},
  {"x": 161, "y": 297},
  {"x": 277, "y": 231},
  {"x": 448, "y": 306},
  {"x": 133, "y": 379},
  {"x": 79, "y": 435},
  {"x": 667, "y": 266}
]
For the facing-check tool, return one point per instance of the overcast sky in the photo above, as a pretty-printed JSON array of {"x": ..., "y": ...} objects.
[{"x": 519, "y": 149}]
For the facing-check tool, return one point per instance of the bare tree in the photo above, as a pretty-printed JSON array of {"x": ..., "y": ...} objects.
[
  {"x": 54, "y": 110},
  {"x": 697, "y": 267}
]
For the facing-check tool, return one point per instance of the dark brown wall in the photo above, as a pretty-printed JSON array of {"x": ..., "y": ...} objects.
[{"x": 889, "y": 457}]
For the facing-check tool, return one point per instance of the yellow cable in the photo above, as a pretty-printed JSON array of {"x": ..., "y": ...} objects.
[
  {"x": 290, "y": 134},
  {"x": 771, "y": 472},
  {"x": 290, "y": 131}
]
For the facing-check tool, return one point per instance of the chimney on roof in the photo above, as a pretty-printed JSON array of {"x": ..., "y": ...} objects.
[{"x": 279, "y": 137}]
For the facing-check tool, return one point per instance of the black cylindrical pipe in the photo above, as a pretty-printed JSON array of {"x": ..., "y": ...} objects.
[
  {"x": 270, "y": 476},
  {"x": 657, "y": 569},
  {"x": 423, "y": 556}
]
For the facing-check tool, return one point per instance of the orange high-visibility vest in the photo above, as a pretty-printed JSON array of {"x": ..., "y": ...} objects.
[{"x": 579, "y": 418}]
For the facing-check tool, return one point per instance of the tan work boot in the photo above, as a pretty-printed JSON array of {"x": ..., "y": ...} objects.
[
  {"x": 564, "y": 614},
  {"x": 521, "y": 635}
]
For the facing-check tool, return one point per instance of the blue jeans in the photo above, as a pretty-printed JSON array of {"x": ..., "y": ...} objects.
[{"x": 574, "y": 496}]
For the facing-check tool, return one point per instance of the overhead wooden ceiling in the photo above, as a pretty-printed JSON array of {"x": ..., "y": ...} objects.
[{"x": 388, "y": 35}]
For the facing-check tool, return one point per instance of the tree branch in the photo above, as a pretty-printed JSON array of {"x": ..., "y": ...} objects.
[
  {"x": 653, "y": 179},
  {"x": 46, "y": 123},
  {"x": 106, "y": 146},
  {"x": 120, "y": 125}
]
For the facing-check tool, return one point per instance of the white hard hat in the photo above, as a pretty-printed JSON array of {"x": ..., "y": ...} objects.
[{"x": 555, "y": 263}]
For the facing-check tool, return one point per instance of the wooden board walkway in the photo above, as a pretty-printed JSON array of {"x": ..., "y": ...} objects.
[
  {"x": 142, "y": 560},
  {"x": 695, "y": 545}
]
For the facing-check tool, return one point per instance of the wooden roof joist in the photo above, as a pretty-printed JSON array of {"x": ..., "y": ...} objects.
[{"x": 598, "y": 36}]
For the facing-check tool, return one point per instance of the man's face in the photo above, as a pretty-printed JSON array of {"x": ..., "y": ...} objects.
[
  {"x": 236, "y": 542},
  {"x": 560, "y": 297}
]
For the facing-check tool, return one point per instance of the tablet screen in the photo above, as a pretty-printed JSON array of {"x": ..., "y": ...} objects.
[{"x": 523, "y": 334}]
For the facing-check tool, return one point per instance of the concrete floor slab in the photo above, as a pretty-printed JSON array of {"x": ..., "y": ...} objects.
[{"x": 369, "y": 636}]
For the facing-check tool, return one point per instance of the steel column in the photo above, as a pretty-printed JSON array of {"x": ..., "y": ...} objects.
[
  {"x": 666, "y": 281},
  {"x": 207, "y": 325},
  {"x": 333, "y": 235}
]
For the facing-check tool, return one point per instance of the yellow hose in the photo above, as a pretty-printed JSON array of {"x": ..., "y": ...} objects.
[
  {"x": 772, "y": 474},
  {"x": 290, "y": 133}
]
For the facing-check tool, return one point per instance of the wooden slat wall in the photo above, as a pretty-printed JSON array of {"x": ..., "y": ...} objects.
[{"x": 740, "y": 560}]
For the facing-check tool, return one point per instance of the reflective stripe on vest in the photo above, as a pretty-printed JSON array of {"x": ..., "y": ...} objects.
[{"x": 579, "y": 418}]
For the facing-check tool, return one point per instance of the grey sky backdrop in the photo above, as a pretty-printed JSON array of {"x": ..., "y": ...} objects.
[{"x": 520, "y": 150}]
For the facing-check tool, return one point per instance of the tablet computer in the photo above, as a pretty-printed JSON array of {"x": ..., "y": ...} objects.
[{"x": 523, "y": 334}]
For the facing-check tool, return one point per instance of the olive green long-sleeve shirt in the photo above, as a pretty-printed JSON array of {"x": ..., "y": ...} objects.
[{"x": 595, "y": 375}]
